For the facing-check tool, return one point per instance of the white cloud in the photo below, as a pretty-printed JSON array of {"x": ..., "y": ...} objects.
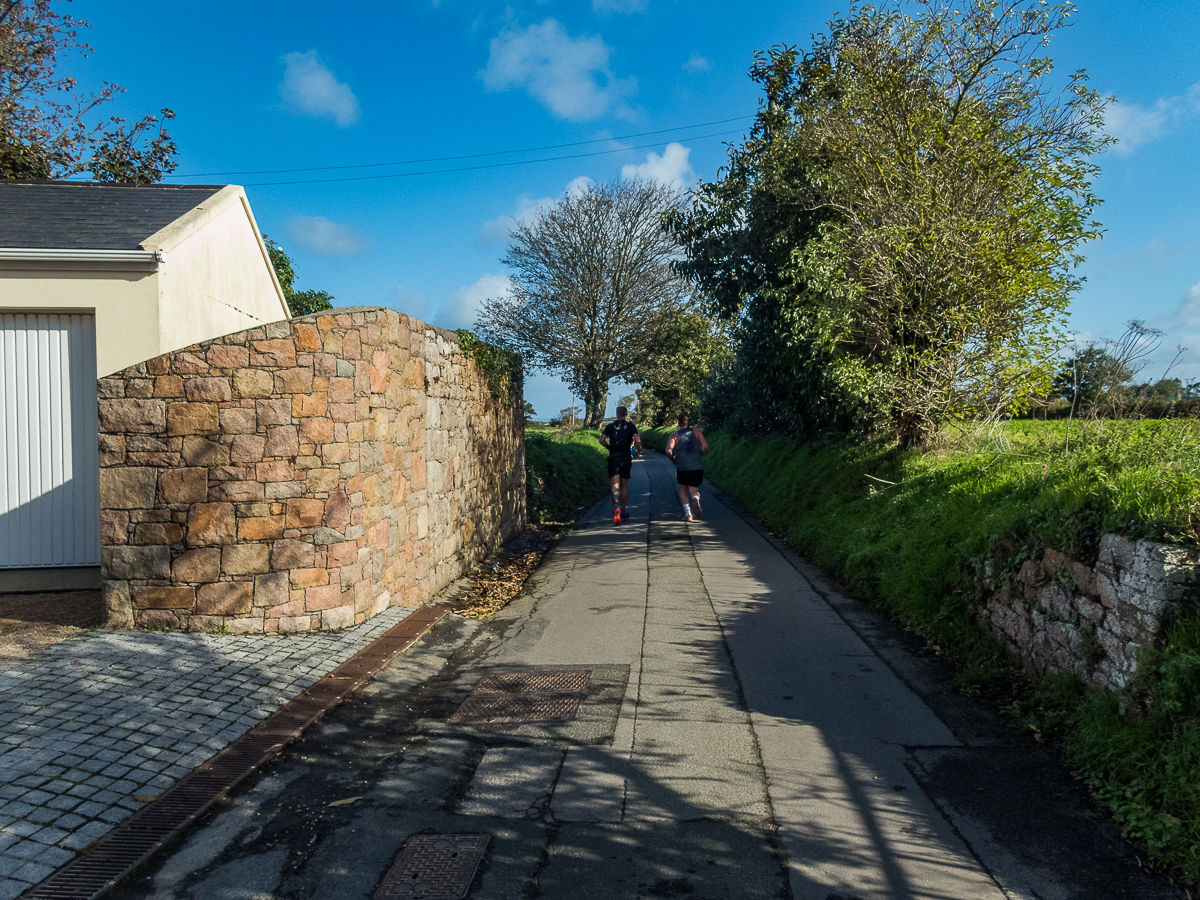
[
  {"x": 411, "y": 303},
  {"x": 672, "y": 168},
  {"x": 569, "y": 76},
  {"x": 1133, "y": 125},
  {"x": 623, "y": 7},
  {"x": 696, "y": 64},
  {"x": 498, "y": 230},
  {"x": 461, "y": 307},
  {"x": 309, "y": 87},
  {"x": 321, "y": 237}
]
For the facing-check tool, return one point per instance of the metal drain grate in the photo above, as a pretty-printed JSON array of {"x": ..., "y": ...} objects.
[
  {"x": 138, "y": 837},
  {"x": 434, "y": 867},
  {"x": 524, "y": 697}
]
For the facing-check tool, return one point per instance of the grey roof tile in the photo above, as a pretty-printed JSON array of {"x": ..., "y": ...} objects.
[{"x": 80, "y": 215}]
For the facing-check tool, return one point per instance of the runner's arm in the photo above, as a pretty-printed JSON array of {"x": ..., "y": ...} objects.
[
  {"x": 703, "y": 442},
  {"x": 604, "y": 440}
]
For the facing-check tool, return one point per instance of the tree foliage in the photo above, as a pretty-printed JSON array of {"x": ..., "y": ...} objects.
[
  {"x": 300, "y": 303},
  {"x": 594, "y": 288},
  {"x": 48, "y": 127},
  {"x": 896, "y": 237},
  {"x": 681, "y": 364}
]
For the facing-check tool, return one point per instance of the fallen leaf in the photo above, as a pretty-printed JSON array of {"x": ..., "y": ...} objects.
[
  {"x": 344, "y": 802},
  {"x": 145, "y": 798}
]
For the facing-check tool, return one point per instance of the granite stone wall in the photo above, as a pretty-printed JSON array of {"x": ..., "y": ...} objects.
[
  {"x": 1060, "y": 615},
  {"x": 301, "y": 476}
]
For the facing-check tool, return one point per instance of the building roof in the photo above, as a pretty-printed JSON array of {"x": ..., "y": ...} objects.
[{"x": 81, "y": 215}]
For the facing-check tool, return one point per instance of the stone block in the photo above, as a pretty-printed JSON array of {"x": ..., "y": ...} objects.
[
  {"x": 251, "y": 384},
  {"x": 187, "y": 362},
  {"x": 271, "y": 591},
  {"x": 158, "y": 618},
  {"x": 139, "y": 387},
  {"x": 338, "y": 617},
  {"x": 192, "y": 418},
  {"x": 132, "y": 563},
  {"x": 225, "y": 598},
  {"x": 114, "y": 527},
  {"x": 343, "y": 554},
  {"x": 245, "y": 559},
  {"x": 225, "y": 356},
  {"x": 310, "y": 405},
  {"x": 341, "y": 390},
  {"x": 324, "y": 536},
  {"x": 238, "y": 420},
  {"x": 274, "y": 412},
  {"x": 282, "y": 440},
  {"x": 334, "y": 453},
  {"x": 306, "y": 578},
  {"x": 316, "y": 431},
  {"x": 337, "y": 510},
  {"x": 175, "y": 597},
  {"x": 248, "y": 625},
  {"x": 198, "y": 451},
  {"x": 118, "y": 606},
  {"x": 211, "y": 525},
  {"x": 236, "y": 491},
  {"x": 189, "y": 485},
  {"x": 295, "y": 624},
  {"x": 344, "y": 368},
  {"x": 127, "y": 487},
  {"x": 304, "y": 513},
  {"x": 277, "y": 354},
  {"x": 291, "y": 554},
  {"x": 199, "y": 565},
  {"x": 132, "y": 416},
  {"x": 261, "y": 528},
  {"x": 275, "y": 470},
  {"x": 158, "y": 533},
  {"x": 112, "y": 449},
  {"x": 321, "y": 481},
  {"x": 307, "y": 337},
  {"x": 343, "y": 412},
  {"x": 294, "y": 381},
  {"x": 283, "y": 490},
  {"x": 209, "y": 388},
  {"x": 168, "y": 386},
  {"x": 247, "y": 448},
  {"x": 324, "y": 597}
]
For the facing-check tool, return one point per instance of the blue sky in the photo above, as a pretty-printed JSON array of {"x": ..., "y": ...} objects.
[{"x": 265, "y": 86}]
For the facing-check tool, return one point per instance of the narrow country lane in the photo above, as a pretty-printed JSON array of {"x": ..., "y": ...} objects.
[{"x": 746, "y": 733}]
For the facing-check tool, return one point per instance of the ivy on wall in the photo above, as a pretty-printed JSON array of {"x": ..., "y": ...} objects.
[{"x": 502, "y": 369}]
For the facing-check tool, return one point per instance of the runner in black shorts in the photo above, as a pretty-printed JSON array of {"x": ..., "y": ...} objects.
[
  {"x": 687, "y": 447},
  {"x": 619, "y": 438}
]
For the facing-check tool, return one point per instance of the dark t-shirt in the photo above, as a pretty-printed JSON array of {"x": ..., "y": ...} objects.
[{"x": 620, "y": 437}]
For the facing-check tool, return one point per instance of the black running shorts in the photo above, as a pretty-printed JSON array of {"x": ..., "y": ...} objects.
[
  {"x": 619, "y": 464},
  {"x": 690, "y": 477}
]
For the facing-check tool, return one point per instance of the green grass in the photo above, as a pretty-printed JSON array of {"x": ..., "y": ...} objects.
[
  {"x": 915, "y": 531},
  {"x": 563, "y": 472}
]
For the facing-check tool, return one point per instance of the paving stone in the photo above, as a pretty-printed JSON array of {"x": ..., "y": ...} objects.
[{"x": 33, "y": 872}]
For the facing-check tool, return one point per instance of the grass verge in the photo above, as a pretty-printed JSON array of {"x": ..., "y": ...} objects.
[{"x": 913, "y": 532}]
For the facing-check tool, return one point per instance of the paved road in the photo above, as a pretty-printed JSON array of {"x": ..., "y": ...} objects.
[
  {"x": 109, "y": 716},
  {"x": 747, "y": 734}
]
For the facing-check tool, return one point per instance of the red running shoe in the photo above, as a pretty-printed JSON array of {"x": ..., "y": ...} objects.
[{"x": 617, "y": 516}]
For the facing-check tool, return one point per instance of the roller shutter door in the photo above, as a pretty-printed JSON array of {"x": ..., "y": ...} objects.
[{"x": 49, "y": 479}]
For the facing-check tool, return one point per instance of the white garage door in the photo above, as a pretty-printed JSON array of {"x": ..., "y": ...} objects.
[{"x": 49, "y": 479}]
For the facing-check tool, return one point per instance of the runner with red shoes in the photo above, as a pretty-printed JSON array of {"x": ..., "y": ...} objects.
[{"x": 622, "y": 441}]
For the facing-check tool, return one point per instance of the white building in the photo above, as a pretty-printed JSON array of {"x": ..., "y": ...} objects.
[{"x": 95, "y": 278}]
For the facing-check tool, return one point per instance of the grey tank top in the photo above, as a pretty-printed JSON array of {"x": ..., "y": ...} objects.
[{"x": 687, "y": 450}]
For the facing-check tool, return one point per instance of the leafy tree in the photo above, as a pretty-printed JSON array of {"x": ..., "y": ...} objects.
[
  {"x": 907, "y": 212},
  {"x": 682, "y": 362},
  {"x": 529, "y": 411},
  {"x": 1089, "y": 376},
  {"x": 47, "y": 126},
  {"x": 300, "y": 303},
  {"x": 594, "y": 288}
]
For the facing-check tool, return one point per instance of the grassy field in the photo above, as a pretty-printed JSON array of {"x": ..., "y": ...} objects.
[
  {"x": 911, "y": 532},
  {"x": 564, "y": 472}
]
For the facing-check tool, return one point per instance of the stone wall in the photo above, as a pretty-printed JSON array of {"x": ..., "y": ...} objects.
[
  {"x": 1060, "y": 615},
  {"x": 303, "y": 475}
]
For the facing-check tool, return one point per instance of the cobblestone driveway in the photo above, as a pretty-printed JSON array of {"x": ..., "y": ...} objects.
[{"x": 100, "y": 719}]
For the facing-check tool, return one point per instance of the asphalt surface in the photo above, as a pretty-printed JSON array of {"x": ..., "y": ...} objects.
[{"x": 748, "y": 732}]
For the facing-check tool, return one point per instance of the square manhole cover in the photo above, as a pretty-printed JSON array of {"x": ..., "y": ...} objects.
[
  {"x": 518, "y": 698},
  {"x": 434, "y": 867}
]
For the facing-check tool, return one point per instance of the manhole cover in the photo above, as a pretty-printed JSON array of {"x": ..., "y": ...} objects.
[
  {"x": 434, "y": 867},
  {"x": 520, "y": 698},
  {"x": 566, "y": 681}
]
